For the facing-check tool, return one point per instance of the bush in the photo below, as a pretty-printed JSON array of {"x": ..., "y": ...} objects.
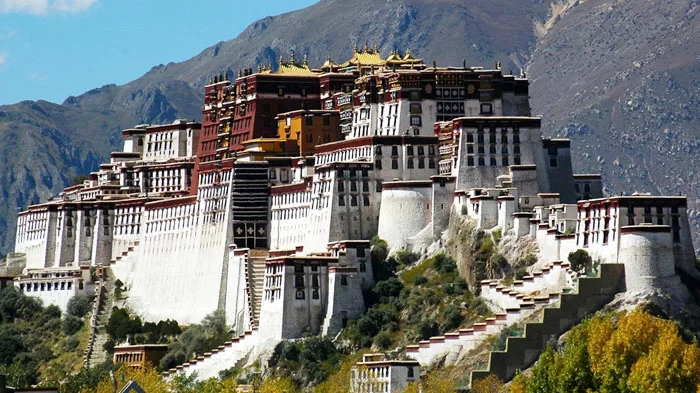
[
  {"x": 71, "y": 343},
  {"x": 444, "y": 264},
  {"x": 79, "y": 305},
  {"x": 388, "y": 288},
  {"x": 71, "y": 324},
  {"x": 453, "y": 317},
  {"x": 580, "y": 261},
  {"x": 420, "y": 280},
  {"x": 428, "y": 328},
  {"x": 406, "y": 258},
  {"x": 383, "y": 340}
]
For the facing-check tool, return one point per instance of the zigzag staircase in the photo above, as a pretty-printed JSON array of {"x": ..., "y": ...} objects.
[
  {"x": 512, "y": 305},
  {"x": 521, "y": 352}
]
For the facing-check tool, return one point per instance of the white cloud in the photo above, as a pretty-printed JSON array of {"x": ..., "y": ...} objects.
[
  {"x": 36, "y": 7},
  {"x": 72, "y": 6},
  {"x": 44, "y": 7}
]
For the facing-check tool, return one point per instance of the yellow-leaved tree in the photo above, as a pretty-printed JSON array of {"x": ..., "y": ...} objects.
[
  {"x": 149, "y": 380},
  {"x": 278, "y": 385}
]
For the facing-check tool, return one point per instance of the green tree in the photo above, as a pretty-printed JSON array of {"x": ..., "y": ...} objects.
[
  {"x": 79, "y": 305},
  {"x": 580, "y": 261}
]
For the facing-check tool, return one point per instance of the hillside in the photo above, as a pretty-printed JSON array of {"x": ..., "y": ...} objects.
[{"x": 595, "y": 73}]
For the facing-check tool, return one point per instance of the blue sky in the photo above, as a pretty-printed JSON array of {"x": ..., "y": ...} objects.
[{"x": 50, "y": 49}]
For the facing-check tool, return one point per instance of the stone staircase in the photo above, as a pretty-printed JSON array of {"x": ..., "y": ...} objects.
[
  {"x": 255, "y": 279},
  {"x": 249, "y": 345},
  {"x": 102, "y": 311},
  {"x": 521, "y": 352},
  {"x": 512, "y": 304}
]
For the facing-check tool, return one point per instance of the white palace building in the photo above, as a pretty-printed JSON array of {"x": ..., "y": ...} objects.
[{"x": 265, "y": 209}]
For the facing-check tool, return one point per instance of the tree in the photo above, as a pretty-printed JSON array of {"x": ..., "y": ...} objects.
[
  {"x": 580, "y": 261},
  {"x": 79, "y": 305}
]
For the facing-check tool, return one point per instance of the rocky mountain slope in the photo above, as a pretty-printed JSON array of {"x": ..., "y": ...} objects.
[
  {"x": 622, "y": 79},
  {"x": 599, "y": 68}
]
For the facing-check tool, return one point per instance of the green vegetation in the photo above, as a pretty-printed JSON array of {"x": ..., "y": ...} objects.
[
  {"x": 634, "y": 352},
  {"x": 580, "y": 261},
  {"x": 36, "y": 342},
  {"x": 306, "y": 361},
  {"x": 425, "y": 300}
]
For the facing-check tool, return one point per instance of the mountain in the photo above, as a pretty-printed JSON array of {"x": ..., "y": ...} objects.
[
  {"x": 622, "y": 79},
  {"x": 582, "y": 58}
]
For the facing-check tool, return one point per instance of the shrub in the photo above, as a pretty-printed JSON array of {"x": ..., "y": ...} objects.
[
  {"x": 79, "y": 305},
  {"x": 383, "y": 340},
  {"x": 427, "y": 328},
  {"x": 453, "y": 317},
  {"x": 444, "y": 264},
  {"x": 580, "y": 261},
  {"x": 388, "y": 288},
  {"x": 71, "y": 324},
  {"x": 420, "y": 280},
  {"x": 406, "y": 258},
  {"x": 71, "y": 343}
]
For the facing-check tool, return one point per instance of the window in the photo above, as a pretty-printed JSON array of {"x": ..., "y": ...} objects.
[
  {"x": 378, "y": 186},
  {"x": 516, "y": 160},
  {"x": 470, "y": 137},
  {"x": 353, "y": 173},
  {"x": 486, "y": 109},
  {"x": 280, "y": 91},
  {"x": 504, "y": 138},
  {"x": 299, "y": 281},
  {"x": 341, "y": 200},
  {"x": 365, "y": 200},
  {"x": 470, "y": 149},
  {"x": 421, "y": 163},
  {"x": 409, "y": 150},
  {"x": 470, "y": 161},
  {"x": 394, "y": 151},
  {"x": 309, "y": 137},
  {"x": 378, "y": 164},
  {"x": 343, "y": 280},
  {"x": 416, "y": 121},
  {"x": 300, "y": 295},
  {"x": 365, "y": 186},
  {"x": 378, "y": 150},
  {"x": 482, "y": 162},
  {"x": 341, "y": 186},
  {"x": 326, "y": 120},
  {"x": 273, "y": 174},
  {"x": 314, "y": 281},
  {"x": 431, "y": 164},
  {"x": 492, "y": 161},
  {"x": 480, "y": 138},
  {"x": 353, "y": 186},
  {"x": 504, "y": 149},
  {"x": 409, "y": 163},
  {"x": 365, "y": 173},
  {"x": 431, "y": 150},
  {"x": 504, "y": 161},
  {"x": 309, "y": 120},
  {"x": 314, "y": 294},
  {"x": 353, "y": 200},
  {"x": 492, "y": 137},
  {"x": 394, "y": 163}
]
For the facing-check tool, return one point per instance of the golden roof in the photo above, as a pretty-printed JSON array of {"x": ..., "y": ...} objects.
[{"x": 292, "y": 67}]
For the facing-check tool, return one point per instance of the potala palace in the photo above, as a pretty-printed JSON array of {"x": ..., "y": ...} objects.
[{"x": 266, "y": 208}]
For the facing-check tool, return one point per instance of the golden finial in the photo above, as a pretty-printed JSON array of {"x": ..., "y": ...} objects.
[
  {"x": 354, "y": 47},
  {"x": 376, "y": 48},
  {"x": 366, "y": 46},
  {"x": 306, "y": 60},
  {"x": 294, "y": 57}
]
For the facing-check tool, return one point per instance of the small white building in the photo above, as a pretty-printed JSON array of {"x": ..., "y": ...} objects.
[
  {"x": 377, "y": 374},
  {"x": 55, "y": 286}
]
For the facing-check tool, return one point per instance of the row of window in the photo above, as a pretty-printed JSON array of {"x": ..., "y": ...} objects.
[
  {"x": 493, "y": 161},
  {"x": 353, "y": 200},
  {"x": 410, "y": 163}
]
